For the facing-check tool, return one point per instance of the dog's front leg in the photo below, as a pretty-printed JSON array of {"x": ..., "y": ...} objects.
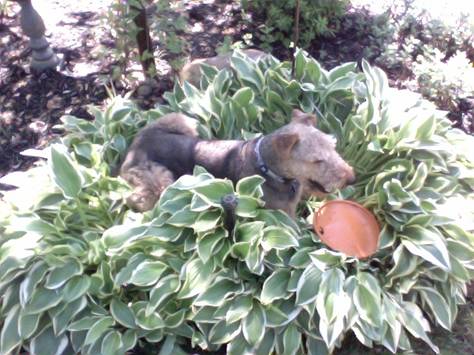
[{"x": 149, "y": 181}]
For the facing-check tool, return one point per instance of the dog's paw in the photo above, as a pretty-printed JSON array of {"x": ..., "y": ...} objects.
[{"x": 142, "y": 201}]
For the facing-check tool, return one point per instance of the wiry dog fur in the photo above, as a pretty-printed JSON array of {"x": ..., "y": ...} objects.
[
  {"x": 191, "y": 72},
  {"x": 304, "y": 157}
]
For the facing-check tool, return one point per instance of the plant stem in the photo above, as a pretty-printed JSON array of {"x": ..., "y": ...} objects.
[
  {"x": 296, "y": 36},
  {"x": 82, "y": 215}
]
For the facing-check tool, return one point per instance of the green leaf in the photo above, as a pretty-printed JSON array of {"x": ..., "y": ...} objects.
[
  {"x": 64, "y": 173},
  {"x": 300, "y": 64},
  {"x": 267, "y": 344},
  {"x": 27, "y": 324},
  {"x": 427, "y": 244},
  {"x": 166, "y": 287},
  {"x": 60, "y": 275},
  {"x": 222, "y": 332},
  {"x": 207, "y": 221},
  {"x": 151, "y": 321},
  {"x": 324, "y": 258},
  {"x": 253, "y": 326},
  {"x": 63, "y": 318},
  {"x": 176, "y": 319},
  {"x": 255, "y": 260},
  {"x": 413, "y": 320},
  {"x": 243, "y": 96},
  {"x": 207, "y": 243},
  {"x": 438, "y": 305},
  {"x": 217, "y": 294},
  {"x": 118, "y": 236},
  {"x": 129, "y": 339},
  {"x": 83, "y": 324},
  {"x": 404, "y": 264},
  {"x": 98, "y": 329},
  {"x": 112, "y": 343},
  {"x": 308, "y": 286},
  {"x": 213, "y": 191},
  {"x": 300, "y": 259},
  {"x": 47, "y": 343},
  {"x": 248, "y": 207},
  {"x": 41, "y": 300},
  {"x": 32, "y": 224},
  {"x": 419, "y": 177},
  {"x": 316, "y": 346},
  {"x": 332, "y": 302},
  {"x": 197, "y": 278},
  {"x": 28, "y": 285},
  {"x": 148, "y": 273},
  {"x": 122, "y": 313},
  {"x": 249, "y": 232},
  {"x": 183, "y": 218},
  {"x": 240, "y": 250},
  {"x": 291, "y": 340},
  {"x": 247, "y": 72},
  {"x": 368, "y": 305},
  {"x": 238, "y": 346},
  {"x": 275, "y": 286},
  {"x": 278, "y": 238},
  {"x": 341, "y": 70},
  {"x": 165, "y": 233},
  {"x": 251, "y": 186},
  {"x": 76, "y": 287},
  {"x": 239, "y": 308},
  {"x": 10, "y": 337}
]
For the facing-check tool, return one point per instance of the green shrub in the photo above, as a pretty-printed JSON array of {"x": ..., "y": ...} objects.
[
  {"x": 317, "y": 18},
  {"x": 81, "y": 273},
  {"x": 418, "y": 34},
  {"x": 444, "y": 83}
]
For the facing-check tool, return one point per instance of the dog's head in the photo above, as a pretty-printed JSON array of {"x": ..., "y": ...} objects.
[{"x": 302, "y": 152}]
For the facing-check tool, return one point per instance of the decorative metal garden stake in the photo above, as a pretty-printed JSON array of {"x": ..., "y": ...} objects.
[{"x": 32, "y": 25}]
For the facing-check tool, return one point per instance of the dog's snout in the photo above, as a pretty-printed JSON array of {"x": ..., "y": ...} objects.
[{"x": 351, "y": 178}]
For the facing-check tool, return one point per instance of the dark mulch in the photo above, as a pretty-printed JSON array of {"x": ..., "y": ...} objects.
[{"x": 31, "y": 104}]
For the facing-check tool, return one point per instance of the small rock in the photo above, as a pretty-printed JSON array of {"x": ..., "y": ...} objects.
[
  {"x": 54, "y": 103},
  {"x": 38, "y": 127},
  {"x": 146, "y": 88}
]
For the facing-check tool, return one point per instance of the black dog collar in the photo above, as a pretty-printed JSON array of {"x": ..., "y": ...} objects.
[{"x": 267, "y": 172}]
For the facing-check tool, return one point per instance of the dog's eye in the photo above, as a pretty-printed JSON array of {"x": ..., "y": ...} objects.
[{"x": 318, "y": 161}]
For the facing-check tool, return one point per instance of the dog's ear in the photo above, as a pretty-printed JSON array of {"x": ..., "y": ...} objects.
[
  {"x": 304, "y": 118},
  {"x": 283, "y": 143}
]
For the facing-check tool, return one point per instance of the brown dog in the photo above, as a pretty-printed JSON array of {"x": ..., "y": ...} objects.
[
  {"x": 295, "y": 158},
  {"x": 191, "y": 72}
]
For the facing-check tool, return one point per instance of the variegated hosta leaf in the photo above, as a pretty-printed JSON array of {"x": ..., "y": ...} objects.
[{"x": 253, "y": 326}]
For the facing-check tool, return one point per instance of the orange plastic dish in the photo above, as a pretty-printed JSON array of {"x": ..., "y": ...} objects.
[{"x": 347, "y": 227}]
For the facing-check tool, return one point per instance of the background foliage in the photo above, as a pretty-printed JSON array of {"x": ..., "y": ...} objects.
[
  {"x": 317, "y": 18},
  {"x": 166, "y": 25}
]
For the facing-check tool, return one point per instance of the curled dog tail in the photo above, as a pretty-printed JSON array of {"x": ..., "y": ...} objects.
[{"x": 179, "y": 124}]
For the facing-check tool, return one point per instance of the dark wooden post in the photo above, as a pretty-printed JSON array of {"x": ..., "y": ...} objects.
[{"x": 144, "y": 42}]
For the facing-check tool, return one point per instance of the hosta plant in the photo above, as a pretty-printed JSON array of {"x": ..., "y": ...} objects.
[{"x": 80, "y": 273}]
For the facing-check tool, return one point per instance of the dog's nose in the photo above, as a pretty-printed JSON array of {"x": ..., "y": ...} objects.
[{"x": 351, "y": 178}]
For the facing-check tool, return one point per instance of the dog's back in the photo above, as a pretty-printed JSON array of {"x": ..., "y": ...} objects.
[
  {"x": 191, "y": 72},
  {"x": 169, "y": 141}
]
